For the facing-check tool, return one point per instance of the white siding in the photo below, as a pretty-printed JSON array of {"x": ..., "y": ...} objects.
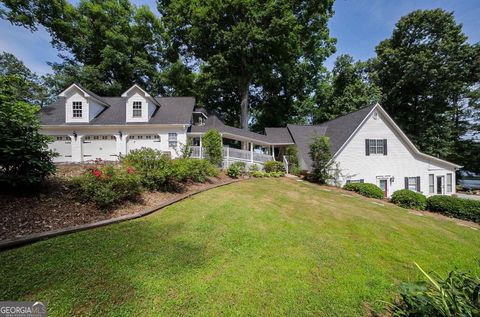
[
  {"x": 145, "y": 108},
  {"x": 400, "y": 162},
  {"x": 76, "y": 95}
]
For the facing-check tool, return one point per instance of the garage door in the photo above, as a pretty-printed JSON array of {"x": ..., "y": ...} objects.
[
  {"x": 138, "y": 141},
  {"x": 100, "y": 147},
  {"x": 62, "y": 145}
]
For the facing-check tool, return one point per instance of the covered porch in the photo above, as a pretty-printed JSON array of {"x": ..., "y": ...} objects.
[{"x": 237, "y": 149}]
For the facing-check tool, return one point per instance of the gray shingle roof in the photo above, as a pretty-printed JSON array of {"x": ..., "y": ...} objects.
[
  {"x": 213, "y": 122},
  {"x": 338, "y": 131},
  {"x": 172, "y": 110},
  {"x": 279, "y": 135}
]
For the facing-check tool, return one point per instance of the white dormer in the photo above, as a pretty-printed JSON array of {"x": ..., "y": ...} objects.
[
  {"x": 81, "y": 105},
  {"x": 140, "y": 106}
]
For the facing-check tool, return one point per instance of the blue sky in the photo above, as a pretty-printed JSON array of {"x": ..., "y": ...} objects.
[{"x": 358, "y": 25}]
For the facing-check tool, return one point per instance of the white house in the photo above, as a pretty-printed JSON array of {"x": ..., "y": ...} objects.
[{"x": 367, "y": 145}]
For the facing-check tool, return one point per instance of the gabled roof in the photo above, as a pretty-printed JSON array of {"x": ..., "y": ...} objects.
[
  {"x": 87, "y": 93},
  {"x": 144, "y": 92},
  {"x": 341, "y": 130},
  {"x": 171, "y": 110}
]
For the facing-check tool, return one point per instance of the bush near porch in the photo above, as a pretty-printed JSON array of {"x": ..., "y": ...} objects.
[
  {"x": 365, "y": 189},
  {"x": 409, "y": 199},
  {"x": 455, "y": 207}
]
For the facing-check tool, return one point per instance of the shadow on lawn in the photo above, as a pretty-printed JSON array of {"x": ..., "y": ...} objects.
[{"x": 93, "y": 271}]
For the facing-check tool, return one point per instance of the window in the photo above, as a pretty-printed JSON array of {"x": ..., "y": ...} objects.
[
  {"x": 449, "y": 183},
  {"x": 137, "y": 109},
  {"x": 412, "y": 183},
  {"x": 59, "y": 138},
  {"x": 77, "y": 109},
  {"x": 156, "y": 136},
  {"x": 172, "y": 144},
  {"x": 431, "y": 182},
  {"x": 354, "y": 181},
  {"x": 376, "y": 146},
  {"x": 172, "y": 137}
]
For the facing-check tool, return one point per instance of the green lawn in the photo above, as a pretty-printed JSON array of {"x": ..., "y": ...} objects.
[{"x": 258, "y": 247}]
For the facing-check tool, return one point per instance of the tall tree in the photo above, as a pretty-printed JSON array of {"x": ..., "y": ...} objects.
[
  {"x": 29, "y": 86},
  {"x": 249, "y": 50},
  {"x": 426, "y": 69},
  {"x": 105, "y": 45},
  {"x": 346, "y": 89}
]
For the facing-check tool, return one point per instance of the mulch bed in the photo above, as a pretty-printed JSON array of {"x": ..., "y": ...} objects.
[{"x": 55, "y": 207}]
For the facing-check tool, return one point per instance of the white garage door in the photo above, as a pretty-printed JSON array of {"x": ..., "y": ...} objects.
[
  {"x": 62, "y": 145},
  {"x": 100, "y": 146},
  {"x": 138, "y": 141}
]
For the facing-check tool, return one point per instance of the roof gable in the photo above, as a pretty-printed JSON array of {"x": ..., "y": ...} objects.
[{"x": 86, "y": 93}]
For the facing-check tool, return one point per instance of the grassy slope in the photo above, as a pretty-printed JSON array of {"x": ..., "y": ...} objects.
[{"x": 260, "y": 247}]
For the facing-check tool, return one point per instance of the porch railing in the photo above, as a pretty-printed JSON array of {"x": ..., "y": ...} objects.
[{"x": 233, "y": 154}]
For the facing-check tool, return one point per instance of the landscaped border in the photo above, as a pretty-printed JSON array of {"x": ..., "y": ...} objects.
[{"x": 31, "y": 238}]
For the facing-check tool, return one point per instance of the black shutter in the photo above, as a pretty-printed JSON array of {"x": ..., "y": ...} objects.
[
  {"x": 418, "y": 183},
  {"x": 384, "y": 146},
  {"x": 367, "y": 147},
  {"x": 406, "y": 182}
]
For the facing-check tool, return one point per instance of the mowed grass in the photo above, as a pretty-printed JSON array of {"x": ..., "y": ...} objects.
[{"x": 259, "y": 247}]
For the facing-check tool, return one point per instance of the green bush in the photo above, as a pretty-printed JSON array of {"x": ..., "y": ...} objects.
[
  {"x": 295, "y": 170},
  {"x": 365, "y": 189},
  {"x": 253, "y": 168},
  {"x": 455, "y": 207},
  {"x": 321, "y": 160},
  {"x": 456, "y": 295},
  {"x": 25, "y": 160},
  {"x": 107, "y": 186},
  {"x": 409, "y": 199},
  {"x": 213, "y": 148},
  {"x": 234, "y": 171},
  {"x": 273, "y": 166},
  {"x": 159, "y": 172},
  {"x": 259, "y": 174}
]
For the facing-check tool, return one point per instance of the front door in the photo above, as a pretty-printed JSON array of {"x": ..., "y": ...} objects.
[
  {"x": 440, "y": 184},
  {"x": 384, "y": 187}
]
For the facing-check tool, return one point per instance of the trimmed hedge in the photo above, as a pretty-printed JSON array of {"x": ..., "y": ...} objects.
[
  {"x": 259, "y": 174},
  {"x": 365, "y": 189},
  {"x": 409, "y": 199},
  {"x": 455, "y": 207}
]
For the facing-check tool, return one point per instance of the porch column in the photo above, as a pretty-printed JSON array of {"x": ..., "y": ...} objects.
[
  {"x": 76, "y": 144},
  {"x": 273, "y": 153},
  {"x": 200, "y": 153},
  {"x": 251, "y": 152}
]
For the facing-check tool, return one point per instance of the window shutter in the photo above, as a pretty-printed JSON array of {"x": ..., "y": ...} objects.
[
  {"x": 418, "y": 183},
  {"x": 384, "y": 146},
  {"x": 406, "y": 182},
  {"x": 367, "y": 147}
]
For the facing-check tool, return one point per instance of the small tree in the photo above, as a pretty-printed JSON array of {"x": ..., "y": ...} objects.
[
  {"x": 186, "y": 149},
  {"x": 212, "y": 144},
  {"x": 321, "y": 159},
  {"x": 24, "y": 156},
  {"x": 291, "y": 153}
]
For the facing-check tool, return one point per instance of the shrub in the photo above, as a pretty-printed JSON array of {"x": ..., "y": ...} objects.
[
  {"x": 365, "y": 189},
  {"x": 234, "y": 171},
  {"x": 253, "y": 168},
  {"x": 456, "y": 295},
  {"x": 213, "y": 149},
  {"x": 25, "y": 160},
  {"x": 291, "y": 153},
  {"x": 107, "y": 185},
  {"x": 159, "y": 172},
  {"x": 455, "y": 207},
  {"x": 259, "y": 174},
  {"x": 273, "y": 166},
  {"x": 296, "y": 170},
  {"x": 321, "y": 159},
  {"x": 409, "y": 199}
]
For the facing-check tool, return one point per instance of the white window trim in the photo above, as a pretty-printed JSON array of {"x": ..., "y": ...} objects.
[
  {"x": 78, "y": 104},
  {"x": 414, "y": 183},
  {"x": 375, "y": 146},
  {"x": 135, "y": 109}
]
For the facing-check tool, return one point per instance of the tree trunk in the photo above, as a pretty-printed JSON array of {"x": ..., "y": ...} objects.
[{"x": 244, "y": 107}]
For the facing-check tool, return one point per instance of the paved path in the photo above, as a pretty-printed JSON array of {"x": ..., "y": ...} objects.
[{"x": 473, "y": 197}]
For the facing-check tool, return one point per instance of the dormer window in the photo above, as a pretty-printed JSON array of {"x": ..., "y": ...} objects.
[
  {"x": 77, "y": 109},
  {"x": 137, "y": 109}
]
